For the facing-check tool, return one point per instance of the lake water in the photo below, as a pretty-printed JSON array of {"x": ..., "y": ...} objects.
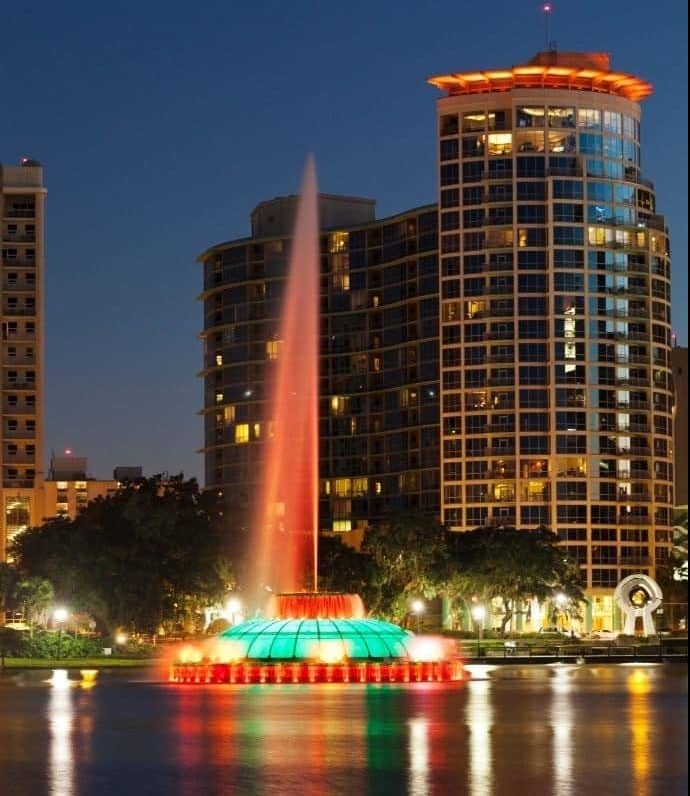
[{"x": 560, "y": 729}]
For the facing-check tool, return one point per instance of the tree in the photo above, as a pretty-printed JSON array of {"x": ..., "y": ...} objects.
[
  {"x": 35, "y": 596},
  {"x": 8, "y": 580},
  {"x": 512, "y": 566},
  {"x": 344, "y": 569},
  {"x": 149, "y": 554},
  {"x": 408, "y": 553}
]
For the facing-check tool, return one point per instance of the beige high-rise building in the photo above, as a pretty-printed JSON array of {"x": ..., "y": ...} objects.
[
  {"x": 679, "y": 363},
  {"x": 555, "y": 315},
  {"x": 22, "y": 197}
]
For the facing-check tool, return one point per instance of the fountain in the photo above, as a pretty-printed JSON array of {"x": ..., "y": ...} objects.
[{"x": 304, "y": 636}]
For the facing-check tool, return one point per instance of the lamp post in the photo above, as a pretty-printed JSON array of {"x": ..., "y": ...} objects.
[
  {"x": 59, "y": 617},
  {"x": 417, "y": 607},
  {"x": 479, "y": 614}
]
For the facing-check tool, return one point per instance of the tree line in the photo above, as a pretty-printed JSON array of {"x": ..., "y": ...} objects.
[{"x": 157, "y": 552}]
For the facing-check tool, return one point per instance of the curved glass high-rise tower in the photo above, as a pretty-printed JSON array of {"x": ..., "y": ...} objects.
[{"x": 555, "y": 313}]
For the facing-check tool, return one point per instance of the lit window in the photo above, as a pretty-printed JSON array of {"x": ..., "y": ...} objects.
[
  {"x": 342, "y": 526},
  {"x": 257, "y": 430},
  {"x": 338, "y": 242},
  {"x": 62, "y": 484},
  {"x": 500, "y": 143},
  {"x": 378, "y": 488},
  {"x": 342, "y": 487},
  {"x": 219, "y": 397},
  {"x": 359, "y": 487},
  {"x": 229, "y": 414},
  {"x": 242, "y": 432},
  {"x": 338, "y": 404},
  {"x": 272, "y": 349},
  {"x": 219, "y": 359}
]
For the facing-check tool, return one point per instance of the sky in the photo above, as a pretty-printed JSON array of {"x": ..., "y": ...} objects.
[{"x": 161, "y": 125}]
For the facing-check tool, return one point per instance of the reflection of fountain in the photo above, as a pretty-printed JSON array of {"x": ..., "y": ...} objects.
[{"x": 305, "y": 637}]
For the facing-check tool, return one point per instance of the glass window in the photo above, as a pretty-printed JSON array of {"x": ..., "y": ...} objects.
[
  {"x": 529, "y": 141},
  {"x": 530, "y": 191},
  {"x": 590, "y": 144},
  {"x": 473, "y": 122},
  {"x": 449, "y": 149},
  {"x": 450, "y": 174},
  {"x": 500, "y": 120},
  {"x": 449, "y": 124},
  {"x": 472, "y": 146},
  {"x": 561, "y": 142},
  {"x": 500, "y": 143},
  {"x": 531, "y": 166},
  {"x": 589, "y": 118},
  {"x": 613, "y": 122},
  {"x": 529, "y": 116},
  {"x": 567, "y": 189},
  {"x": 561, "y": 117},
  {"x": 613, "y": 146}
]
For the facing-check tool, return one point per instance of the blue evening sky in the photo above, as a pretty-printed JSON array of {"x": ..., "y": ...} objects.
[{"x": 162, "y": 124}]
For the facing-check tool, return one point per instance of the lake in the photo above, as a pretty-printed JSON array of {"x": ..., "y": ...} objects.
[{"x": 556, "y": 729}]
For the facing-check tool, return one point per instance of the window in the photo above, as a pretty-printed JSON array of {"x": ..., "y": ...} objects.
[
  {"x": 473, "y": 122},
  {"x": 242, "y": 433},
  {"x": 589, "y": 118},
  {"x": 529, "y": 116},
  {"x": 531, "y": 191},
  {"x": 500, "y": 143},
  {"x": 531, "y": 374}
]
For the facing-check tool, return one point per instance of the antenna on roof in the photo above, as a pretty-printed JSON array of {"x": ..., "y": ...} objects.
[{"x": 547, "y": 8}]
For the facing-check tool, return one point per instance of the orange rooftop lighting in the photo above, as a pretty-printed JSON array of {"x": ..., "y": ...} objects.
[{"x": 549, "y": 70}]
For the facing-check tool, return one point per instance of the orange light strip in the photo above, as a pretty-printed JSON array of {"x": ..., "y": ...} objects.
[{"x": 570, "y": 78}]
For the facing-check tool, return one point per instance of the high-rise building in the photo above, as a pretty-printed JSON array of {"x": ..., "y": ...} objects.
[
  {"x": 555, "y": 314},
  {"x": 540, "y": 314},
  {"x": 22, "y": 197},
  {"x": 679, "y": 363},
  {"x": 379, "y": 396}
]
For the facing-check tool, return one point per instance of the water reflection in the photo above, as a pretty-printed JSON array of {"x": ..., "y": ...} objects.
[
  {"x": 60, "y": 720},
  {"x": 563, "y": 730},
  {"x": 419, "y": 756},
  {"x": 542, "y": 731},
  {"x": 638, "y": 683},
  {"x": 479, "y": 716}
]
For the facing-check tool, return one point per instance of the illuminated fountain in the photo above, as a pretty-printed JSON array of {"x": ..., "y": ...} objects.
[{"x": 305, "y": 636}]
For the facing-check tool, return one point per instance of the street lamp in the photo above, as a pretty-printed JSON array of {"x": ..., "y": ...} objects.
[
  {"x": 60, "y": 617},
  {"x": 479, "y": 614},
  {"x": 233, "y": 610},
  {"x": 417, "y": 607}
]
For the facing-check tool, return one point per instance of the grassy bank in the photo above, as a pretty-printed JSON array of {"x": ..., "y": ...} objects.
[{"x": 80, "y": 663}]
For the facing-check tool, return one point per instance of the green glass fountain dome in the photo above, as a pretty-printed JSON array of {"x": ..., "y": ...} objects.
[{"x": 301, "y": 639}]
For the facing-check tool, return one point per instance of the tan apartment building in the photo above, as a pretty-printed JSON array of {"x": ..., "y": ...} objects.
[
  {"x": 22, "y": 198},
  {"x": 556, "y": 382},
  {"x": 679, "y": 363}
]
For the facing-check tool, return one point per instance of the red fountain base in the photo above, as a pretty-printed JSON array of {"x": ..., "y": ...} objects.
[
  {"x": 318, "y": 638},
  {"x": 309, "y": 672}
]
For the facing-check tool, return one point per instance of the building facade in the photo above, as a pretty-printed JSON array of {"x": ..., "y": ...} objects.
[
  {"x": 22, "y": 197},
  {"x": 379, "y": 391},
  {"x": 555, "y": 314},
  {"x": 679, "y": 363}
]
